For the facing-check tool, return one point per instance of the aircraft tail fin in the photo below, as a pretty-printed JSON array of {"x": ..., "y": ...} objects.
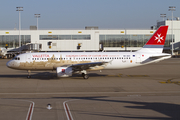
[{"x": 156, "y": 42}]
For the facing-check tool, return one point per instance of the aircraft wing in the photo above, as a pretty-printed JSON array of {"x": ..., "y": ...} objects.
[{"x": 85, "y": 66}]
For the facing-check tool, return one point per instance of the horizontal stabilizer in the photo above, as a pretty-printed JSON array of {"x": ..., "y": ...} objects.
[{"x": 157, "y": 57}]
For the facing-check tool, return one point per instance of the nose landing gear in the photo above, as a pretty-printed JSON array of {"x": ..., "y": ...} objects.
[{"x": 29, "y": 74}]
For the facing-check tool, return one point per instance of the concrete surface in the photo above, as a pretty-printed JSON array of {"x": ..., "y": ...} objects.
[{"x": 146, "y": 92}]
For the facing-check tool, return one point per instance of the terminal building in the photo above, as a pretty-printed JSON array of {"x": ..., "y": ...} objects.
[{"x": 90, "y": 39}]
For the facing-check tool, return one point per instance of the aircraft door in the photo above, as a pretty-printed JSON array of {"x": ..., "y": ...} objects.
[
  {"x": 138, "y": 58},
  {"x": 28, "y": 58}
]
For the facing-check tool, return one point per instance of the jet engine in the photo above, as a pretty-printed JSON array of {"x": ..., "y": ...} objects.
[{"x": 64, "y": 71}]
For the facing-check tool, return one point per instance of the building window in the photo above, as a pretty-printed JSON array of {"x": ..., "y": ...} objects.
[
  {"x": 13, "y": 40},
  {"x": 65, "y": 37},
  {"x": 128, "y": 40}
]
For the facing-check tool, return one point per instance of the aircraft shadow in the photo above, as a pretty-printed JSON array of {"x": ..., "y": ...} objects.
[
  {"x": 50, "y": 76},
  {"x": 13, "y": 76},
  {"x": 168, "y": 109},
  {"x": 171, "y": 111}
]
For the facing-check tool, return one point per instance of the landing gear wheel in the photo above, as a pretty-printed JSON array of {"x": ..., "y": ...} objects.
[
  {"x": 85, "y": 76},
  {"x": 28, "y": 76}
]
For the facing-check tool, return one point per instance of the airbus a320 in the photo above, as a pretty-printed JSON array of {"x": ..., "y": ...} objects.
[{"x": 68, "y": 63}]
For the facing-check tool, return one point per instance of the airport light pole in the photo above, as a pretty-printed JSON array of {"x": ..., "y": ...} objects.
[
  {"x": 19, "y": 9},
  {"x": 172, "y": 8},
  {"x": 37, "y": 16},
  {"x": 163, "y": 16}
]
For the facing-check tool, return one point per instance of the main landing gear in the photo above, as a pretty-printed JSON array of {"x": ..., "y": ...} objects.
[
  {"x": 29, "y": 74},
  {"x": 84, "y": 74}
]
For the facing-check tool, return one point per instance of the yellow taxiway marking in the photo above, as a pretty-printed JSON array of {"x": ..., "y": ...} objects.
[
  {"x": 121, "y": 75},
  {"x": 137, "y": 75},
  {"x": 170, "y": 82}
]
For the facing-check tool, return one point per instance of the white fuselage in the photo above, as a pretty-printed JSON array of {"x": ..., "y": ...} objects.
[{"x": 52, "y": 60}]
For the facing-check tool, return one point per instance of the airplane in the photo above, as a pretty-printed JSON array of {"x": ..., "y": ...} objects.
[
  {"x": 3, "y": 52},
  {"x": 68, "y": 63}
]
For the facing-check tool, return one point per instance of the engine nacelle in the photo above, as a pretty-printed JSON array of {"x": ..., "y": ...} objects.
[{"x": 64, "y": 71}]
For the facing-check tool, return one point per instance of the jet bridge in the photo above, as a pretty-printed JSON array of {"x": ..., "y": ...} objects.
[{"x": 30, "y": 47}]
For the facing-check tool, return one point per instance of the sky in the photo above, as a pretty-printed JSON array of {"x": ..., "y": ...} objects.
[{"x": 76, "y": 14}]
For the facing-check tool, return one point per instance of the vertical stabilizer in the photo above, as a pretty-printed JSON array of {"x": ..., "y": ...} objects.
[{"x": 156, "y": 42}]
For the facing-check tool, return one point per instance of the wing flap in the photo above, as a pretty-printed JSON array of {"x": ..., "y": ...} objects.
[{"x": 86, "y": 66}]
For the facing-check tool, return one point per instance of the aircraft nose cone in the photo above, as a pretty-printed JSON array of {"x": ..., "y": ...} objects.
[{"x": 8, "y": 64}]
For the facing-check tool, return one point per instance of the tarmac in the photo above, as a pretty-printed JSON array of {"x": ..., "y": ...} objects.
[{"x": 147, "y": 92}]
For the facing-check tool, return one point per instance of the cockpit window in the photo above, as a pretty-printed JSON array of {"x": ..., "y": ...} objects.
[{"x": 16, "y": 58}]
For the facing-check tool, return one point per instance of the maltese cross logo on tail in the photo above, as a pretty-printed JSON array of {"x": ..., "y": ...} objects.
[{"x": 159, "y": 38}]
